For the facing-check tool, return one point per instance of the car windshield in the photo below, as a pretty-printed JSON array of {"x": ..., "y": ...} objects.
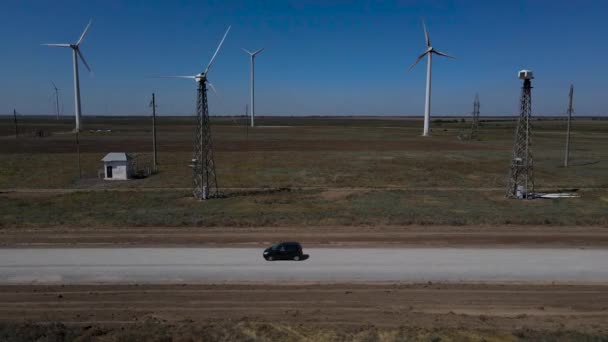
[{"x": 275, "y": 247}]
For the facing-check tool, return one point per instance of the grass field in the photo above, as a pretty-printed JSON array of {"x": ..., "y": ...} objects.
[
  {"x": 301, "y": 208},
  {"x": 365, "y": 171}
]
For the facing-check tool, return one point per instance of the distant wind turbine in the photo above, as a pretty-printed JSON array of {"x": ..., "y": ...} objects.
[
  {"x": 76, "y": 52},
  {"x": 252, "y": 57},
  {"x": 56, "y": 99},
  {"x": 429, "y": 52}
]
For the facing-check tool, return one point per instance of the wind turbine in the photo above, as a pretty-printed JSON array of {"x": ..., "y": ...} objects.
[
  {"x": 203, "y": 164},
  {"x": 76, "y": 53},
  {"x": 201, "y": 78},
  {"x": 56, "y": 98},
  {"x": 429, "y": 52},
  {"x": 252, "y": 57}
]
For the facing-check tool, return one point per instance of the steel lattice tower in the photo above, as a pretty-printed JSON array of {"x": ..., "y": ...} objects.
[
  {"x": 475, "y": 125},
  {"x": 203, "y": 164},
  {"x": 204, "y": 178},
  {"x": 521, "y": 175}
]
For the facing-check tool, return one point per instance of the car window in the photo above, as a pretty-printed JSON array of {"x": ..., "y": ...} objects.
[{"x": 275, "y": 247}]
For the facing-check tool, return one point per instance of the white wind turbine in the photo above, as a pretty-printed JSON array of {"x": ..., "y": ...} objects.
[
  {"x": 429, "y": 52},
  {"x": 202, "y": 77},
  {"x": 75, "y": 54},
  {"x": 252, "y": 57}
]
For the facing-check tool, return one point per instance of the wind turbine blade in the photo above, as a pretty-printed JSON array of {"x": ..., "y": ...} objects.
[
  {"x": 247, "y": 51},
  {"x": 54, "y": 85},
  {"x": 443, "y": 54},
  {"x": 57, "y": 45},
  {"x": 256, "y": 52},
  {"x": 216, "y": 51},
  {"x": 83, "y": 60},
  {"x": 417, "y": 60},
  {"x": 213, "y": 88},
  {"x": 426, "y": 34},
  {"x": 189, "y": 77},
  {"x": 84, "y": 33}
]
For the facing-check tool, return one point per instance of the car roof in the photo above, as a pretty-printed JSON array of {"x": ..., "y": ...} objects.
[{"x": 290, "y": 243}]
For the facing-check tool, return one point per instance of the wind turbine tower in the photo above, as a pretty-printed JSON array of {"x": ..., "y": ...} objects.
[
  {"x": 252, "y": 94},
  {"x": 521, "y": 174},
  {"x": 429, "y": 53},
  {"x": 203, "y": 164},
  {"x": 76, "y": 53}
]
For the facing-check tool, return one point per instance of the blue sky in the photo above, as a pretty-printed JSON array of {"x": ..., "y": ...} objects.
[{"x": 320, "y": 58}]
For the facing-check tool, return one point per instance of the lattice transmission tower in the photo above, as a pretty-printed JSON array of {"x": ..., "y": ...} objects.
[
  {"x": 203, "y": 164},
  {"x": 475, "y": 124},
  {"x": 521, "y": 173},
  {"x": 204, "y": 178}
]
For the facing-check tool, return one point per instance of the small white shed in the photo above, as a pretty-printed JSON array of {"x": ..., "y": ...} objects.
[{"x": 117, "y": 166}]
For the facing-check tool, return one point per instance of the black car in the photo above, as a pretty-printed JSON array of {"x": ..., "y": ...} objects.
[{"x": 285, "y": 251}]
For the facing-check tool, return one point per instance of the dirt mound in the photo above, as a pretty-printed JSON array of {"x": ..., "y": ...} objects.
[{"x": 266, "y": 331}]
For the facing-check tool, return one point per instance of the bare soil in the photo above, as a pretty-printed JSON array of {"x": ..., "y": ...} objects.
[
  {"x": 341, "y": 307},
  {"x": 337, "y": 236}
]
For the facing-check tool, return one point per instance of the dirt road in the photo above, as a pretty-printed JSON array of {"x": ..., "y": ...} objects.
[{"x": 377, "y": 236}]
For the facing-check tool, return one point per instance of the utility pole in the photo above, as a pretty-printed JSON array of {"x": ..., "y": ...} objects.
[
  {"x": 475, "y": 125},
  {"x": 56, "y": 99},
  {"x": 521, "y": 173},
  {"x": 570, "y": 111},
  {"x": 154, "y": 160},
  {"x": 78, "y": 154},
  {"x": 15, "y": 122},
  {"x": 57, "y": 103},
  {"x": 246, "y": 126}
]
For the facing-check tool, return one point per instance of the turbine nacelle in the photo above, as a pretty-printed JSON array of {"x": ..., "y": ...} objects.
[{"x": 252, "y": 54}]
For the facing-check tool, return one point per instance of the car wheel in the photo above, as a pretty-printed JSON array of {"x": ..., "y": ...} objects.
[
  {"x": 296, "y": 258},
  {"x": 270, "y": 258}
]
